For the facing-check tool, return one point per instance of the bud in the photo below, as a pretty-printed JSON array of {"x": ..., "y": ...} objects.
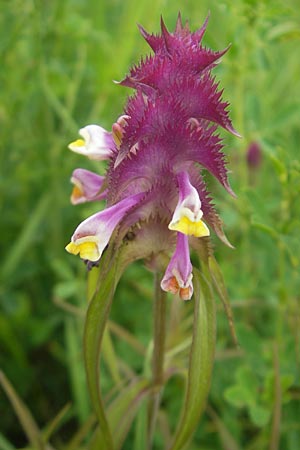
[{"x": 254, "y": 155}]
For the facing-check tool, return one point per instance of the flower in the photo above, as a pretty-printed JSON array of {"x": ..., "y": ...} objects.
[
  {"x": 87, "y": 186},
  {"x": 254, "y": 155},
  {"x": 157, "y": 153},
  {"x": 92, "y": 235},
  {"x": 97, "y": 143},
  {"x": 178, "y": 276}
]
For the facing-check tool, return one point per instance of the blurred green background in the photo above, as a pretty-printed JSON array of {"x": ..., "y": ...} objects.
[{"x": 58, "y": 60}]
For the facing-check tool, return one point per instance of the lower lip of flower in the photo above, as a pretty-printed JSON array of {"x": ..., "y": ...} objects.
[
  {"x": 188, "y": 227},
  {"x": 86, "y": 250}
]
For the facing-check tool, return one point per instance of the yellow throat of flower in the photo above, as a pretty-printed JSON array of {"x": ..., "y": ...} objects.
[
  {"x": 86, "y": 250},
  {"x": 77, "y": 193},
  {"x": 190, "y": 228},
  {"x": 78, "y": 143}
]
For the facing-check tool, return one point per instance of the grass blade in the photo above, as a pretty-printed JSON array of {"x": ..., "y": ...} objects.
[
  {"x": 56, "y": 422},
  {"x": 25, "y": 237},
  {"x": 76, "y": 369},
  {"x": 123, "y": 410},
  {"x": 24, "y": 415},
  {"x": 110, "y": 357},
  {"x": 219, "y": 285},
  {"x": 81, "y": 434}
]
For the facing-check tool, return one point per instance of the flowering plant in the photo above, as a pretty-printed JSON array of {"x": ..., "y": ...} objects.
[{"x": 158, "y": 208}]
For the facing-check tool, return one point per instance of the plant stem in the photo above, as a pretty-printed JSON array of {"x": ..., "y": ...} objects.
[
  {"x": 276, "y": 422},
  {"x": 159, "y": 335}
]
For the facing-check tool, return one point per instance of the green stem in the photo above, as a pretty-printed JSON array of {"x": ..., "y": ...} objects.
[{"x": 159, "y": 337}]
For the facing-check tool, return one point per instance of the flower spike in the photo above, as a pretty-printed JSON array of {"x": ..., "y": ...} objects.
[
  {"x": 187, "y": 215},
  {"x": 97, "y": 143},
  {"x": 178, "y": 276},
  {"x": 158, "y": 151}
]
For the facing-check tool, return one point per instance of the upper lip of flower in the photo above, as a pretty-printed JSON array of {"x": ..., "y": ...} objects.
[{"x": 97, "y": 143}]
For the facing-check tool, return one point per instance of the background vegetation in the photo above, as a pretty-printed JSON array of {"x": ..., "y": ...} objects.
[{"x": 58, "y": 60}]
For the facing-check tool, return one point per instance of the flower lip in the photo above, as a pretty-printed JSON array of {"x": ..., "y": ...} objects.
[
  {"x": 86, "y": 248},
  {"x": 187, "y": 215},
  {"x": 97, "y": 143}
]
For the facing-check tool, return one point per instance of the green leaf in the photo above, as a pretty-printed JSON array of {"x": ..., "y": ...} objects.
[
  {"x": 4, "y": 444},
  {"x": 286, "y": 381},
  {"x": 235, "y": 396},
  {"x": 201, "y": 361},
  {"x": 248, "y": 383},
  {"x": 260, "y": 416},
  {"x": 95, "y": 322}
]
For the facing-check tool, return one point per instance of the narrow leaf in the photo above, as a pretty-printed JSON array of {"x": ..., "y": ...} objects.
[
  {"x": 110, "y": 357},
  {"x": 201, "y": 361},
  {"x": 228, "y": 441},
  {"x": 25, "y": 238},
  {"x": 24, "y": 415},
  {"x": 81, "y": 434},
  {"x": 122, "y": 411},
  {"x": 220, "y": 287},
  {"x": 56, "y": 422},
  {"x": 126, "y": 336},
  {"x": 76, "y": 370},
  {"x": 140, "y": 435}
]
